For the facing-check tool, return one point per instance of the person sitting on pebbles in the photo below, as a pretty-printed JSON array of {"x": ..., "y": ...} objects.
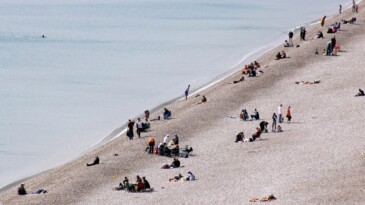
[
  {"x": 360, "y": 93},
  {"x": 203, "y": 100}
]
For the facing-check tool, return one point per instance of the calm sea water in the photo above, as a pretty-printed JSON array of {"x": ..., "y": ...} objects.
[{"x": 105, "y": 61}]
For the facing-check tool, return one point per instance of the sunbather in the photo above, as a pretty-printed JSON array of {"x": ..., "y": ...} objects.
[
  {"x": 96, "y": 161},
  {"x": 190, "y": 177},
  {"x": 239, "y": 137},
  {"x": 203, "y": 100},
  {"x": 176, "y": 178},
  {"x": 360, "y": 93},
  {"x": 237, "y": 81},
  {"x": 21, "y": 190},
  {"x": 255, "y": 115}
]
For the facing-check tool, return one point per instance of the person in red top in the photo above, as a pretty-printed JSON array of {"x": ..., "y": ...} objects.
[{"x": 288, "y": 114}]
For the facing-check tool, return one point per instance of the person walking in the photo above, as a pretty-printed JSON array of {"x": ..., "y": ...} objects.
[
  {"x": 302, "y": 33},
  {"x": 340, "y": 9},
  {"x": 187, "y": 92},
  {"x": 130, "y": 133},
  {"x": 291, "y": 34},
  {"x": 323, "y": 19},
  {"x": 274, "y": 120},
  {"x": 280, "y": 113},
  {"x": 139, "y": 126},
  {"x": 288, "y": 114}
]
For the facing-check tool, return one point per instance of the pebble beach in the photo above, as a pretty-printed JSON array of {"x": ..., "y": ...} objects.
[{"x": 315, "y": 160}]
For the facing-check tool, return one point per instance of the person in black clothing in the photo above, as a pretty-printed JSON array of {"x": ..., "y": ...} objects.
[
  {"x": 360, "y": 93},
  {"x": 21, "y": 190},
  {"x": 263, "y": 126},
  {"x": 176, "y": 140},
  {"x": 239, "y": 137},
  {"x": 146, "y": 183},
  {"x": 96, "y": 161},
  {"x": 175, "y": 163},
  {"x": 302, "y": 33},
  {"x": 333, "y": 42},
  {"x": 290, "y": 38}
]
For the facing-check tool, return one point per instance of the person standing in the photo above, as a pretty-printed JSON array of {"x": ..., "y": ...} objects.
[
  {"x": 130, "y": 133},
  {"x": 291, "y": 34},
  {"x": 302, "y": 33},
  {"x": 333, "y": 42},
  {"x": 151, "y": 145},
  {"x": 288, "y": 114},
  {"x": 139, "y": 126},
  {"x": 280, "y": 113},
  {"x": 323, "y": 19},
  {"x": 187, "y": 92},
  {"x": 274, "y": 120},
  {"x": 340, "y": 9},
  {"x": 353, "y": 6},
  {"x": 146, "y": 115}
]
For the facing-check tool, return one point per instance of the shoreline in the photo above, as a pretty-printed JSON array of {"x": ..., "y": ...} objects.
[
  {"x": 209, "y": 87},
  {"x": 250, "y": 57}
]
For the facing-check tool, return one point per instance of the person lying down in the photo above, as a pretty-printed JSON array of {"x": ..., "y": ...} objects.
[{"x": 308, "y": 82}]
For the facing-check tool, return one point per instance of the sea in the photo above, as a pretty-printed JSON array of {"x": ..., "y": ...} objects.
[{"x": 72, "y": 72}]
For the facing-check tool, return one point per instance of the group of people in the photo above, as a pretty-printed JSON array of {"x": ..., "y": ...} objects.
[
  {"x": 140, "y": 185},
  {"x": 332, "y": 47},
  {"x": 240, "y": 137},
  {"x": 251, "y": 69},
  {"x": 245, "y": 117},
  {"x": 280, "y": 55}
]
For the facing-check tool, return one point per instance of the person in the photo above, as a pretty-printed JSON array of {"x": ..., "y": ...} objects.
[
  {"x": 130, "y": 133},
  {"x": 278, "y": 56},
  {"x": 190, "y": 177},
  {"x": 283, "y": 54},
  {"x": 340, "y": 9},
  {"x": 337, "y": 49},
  {"x": 21, "y": 190},
  {"x": 255, "y": 115},
  {"x": 175, "y": 163},
  {"x": 353, "y": 6},
  {"x": 291, "y": 34},
  {"x": 274, "y": 120},
  {"x": 257, "y": 134},
  {"x": 280, "y": 113},
  {"x": 333, "y": 43},
  {"x": 316, "y": 52},
  {"x": 140, "y": 185},
  {"x": 176, "y": 140},
  {"x": 279, "y": 129},
  {"x": 40, "y": 191},
  {"x": 166, "y": 113},
  {"x": 319, "y": 34},
  {"x": 146, "y": 183},
  {"x": 360, "y": 93},
  {"x": 203, "y": 100},
  {"x": 357, "y": 8},
  {"x": 166, "y": 139},
  {"x": 244, "y": 115},
  {"x": 302, "y": 33},
  {"x": 96, "y": 161},
  {"x": 146, "y": 115},
  {"x": 288, "y": 114},
  {"x": 240, "y": 137},
  {"x": 286, "y": 43},
  {"x": 139, "y": 126},
  {"x": 187, "y": 92},
  {"x": 161, "y": 148},
  {"x": 263, "y": 126},
  {"x": 43, "y": 36},
  {"x": 151, "y": 145},
  {"x": 126, "y": 182},
  {"x": 323, "y": 19},
  {"x": 329, "y": 48},
  {"x": 237, "y": 81},
  {"x": 176, "y": 178}
]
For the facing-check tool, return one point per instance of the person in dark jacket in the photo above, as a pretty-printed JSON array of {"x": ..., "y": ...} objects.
[
  {"x": 21, "y": 190},
  {"x": 146, "y": 183},
  {"x": 96, "y": 161}
]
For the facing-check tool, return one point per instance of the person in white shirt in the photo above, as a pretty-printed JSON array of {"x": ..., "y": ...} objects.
[
  {"x": 166, "y": 139},
  {"x": 139, "y": 126}
]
